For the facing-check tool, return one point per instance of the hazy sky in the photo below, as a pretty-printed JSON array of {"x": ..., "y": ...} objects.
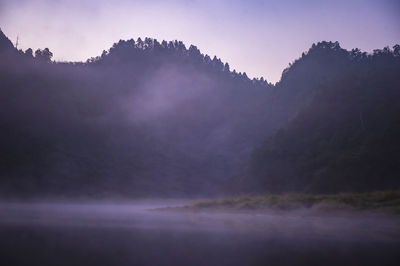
[{"x": 255, "y": 36}]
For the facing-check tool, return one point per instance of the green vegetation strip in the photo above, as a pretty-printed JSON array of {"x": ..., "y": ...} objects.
[{"x": 385, "y": 201}]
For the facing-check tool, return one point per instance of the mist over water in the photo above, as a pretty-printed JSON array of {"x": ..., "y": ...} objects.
[
  {"x": 138, "y": 233},
  {"x": 150, "y": 214},
  {"x": 157, "y": 124}
]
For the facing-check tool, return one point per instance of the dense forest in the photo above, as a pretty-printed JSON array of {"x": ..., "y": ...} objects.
[
  {"x": 345, "y": 136},
  {"x": 148, "y": 118}
]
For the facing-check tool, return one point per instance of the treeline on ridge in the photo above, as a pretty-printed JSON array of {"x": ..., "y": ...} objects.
[{"x": 156, "y": 119}]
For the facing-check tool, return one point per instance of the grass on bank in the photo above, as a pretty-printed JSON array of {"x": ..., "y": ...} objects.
[{"x": 385, "y": 201}]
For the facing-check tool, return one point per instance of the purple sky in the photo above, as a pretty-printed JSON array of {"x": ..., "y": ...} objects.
[{"x": 258, "y": 37}]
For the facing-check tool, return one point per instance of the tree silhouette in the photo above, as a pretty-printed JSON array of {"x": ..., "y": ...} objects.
[{"x": 43, "y": 55}]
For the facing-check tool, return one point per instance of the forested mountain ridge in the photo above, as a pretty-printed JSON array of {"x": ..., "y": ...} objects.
[
  {"x": 345, "y": 138},
  {"x": 148, "y": 118},
  {"x": 142, "y": 119}
]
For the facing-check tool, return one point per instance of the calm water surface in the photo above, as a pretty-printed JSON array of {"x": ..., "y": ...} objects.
[{"x": 136, "y": 234}]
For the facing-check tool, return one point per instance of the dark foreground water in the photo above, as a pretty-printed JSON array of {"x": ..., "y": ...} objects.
[{"x": 131, "y": 234}]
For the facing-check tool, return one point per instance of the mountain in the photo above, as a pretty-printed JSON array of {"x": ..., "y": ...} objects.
[
  {"x": 158, "y": 119},
  {"x": 144, "y": 118},
  {"x": 345, "y": 137}
]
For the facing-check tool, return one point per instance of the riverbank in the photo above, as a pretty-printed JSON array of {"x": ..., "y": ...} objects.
[{"x": 381, "y": 201}]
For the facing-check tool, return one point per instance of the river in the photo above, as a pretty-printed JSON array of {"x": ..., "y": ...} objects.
[{"x": 135, "y": 233}]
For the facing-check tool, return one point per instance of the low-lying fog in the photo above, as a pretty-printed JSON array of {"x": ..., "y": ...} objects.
[
  {"x": 145, "y": 214},
  {"x": 132, "y": 232}
]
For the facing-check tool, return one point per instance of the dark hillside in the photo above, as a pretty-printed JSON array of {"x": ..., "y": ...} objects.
[
  {"x": 143, "y": 119},
  {"x": 158, "y": 119},
  {"x": 344, "y": 139}
]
